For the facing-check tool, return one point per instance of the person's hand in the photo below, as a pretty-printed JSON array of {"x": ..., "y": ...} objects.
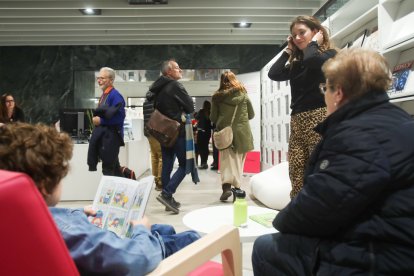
[
  {"x": 291, "y": 46},
  {"x": 318, "y": 37},
  {"x": 96, "y": 120},
  {"x": 144, "y": 221},
  {"x": 89, "y": 211}
]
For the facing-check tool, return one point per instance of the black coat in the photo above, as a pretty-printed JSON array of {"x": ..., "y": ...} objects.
[
  {"x": 358, "y": 194},
  {"x": 171, "y": 98},
  {"x": 148, "y": 109},
  {"x": 304, "y": 75}
]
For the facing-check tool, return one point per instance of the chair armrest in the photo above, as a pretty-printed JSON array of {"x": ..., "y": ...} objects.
[{"x": 224, "y": 240}]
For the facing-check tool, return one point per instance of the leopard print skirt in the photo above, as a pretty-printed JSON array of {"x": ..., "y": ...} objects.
[{"x": 302, "y": 141}]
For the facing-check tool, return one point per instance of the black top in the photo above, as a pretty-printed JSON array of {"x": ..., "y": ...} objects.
[
  {"x": 17, "y": 116},
  {"x": 305, "y": 76}
]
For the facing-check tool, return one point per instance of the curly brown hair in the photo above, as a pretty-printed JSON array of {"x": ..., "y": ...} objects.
[{"x": 38, "y": 150}]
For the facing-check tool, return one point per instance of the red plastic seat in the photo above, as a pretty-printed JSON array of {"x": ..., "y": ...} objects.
[{"x": 30, "y": 242}]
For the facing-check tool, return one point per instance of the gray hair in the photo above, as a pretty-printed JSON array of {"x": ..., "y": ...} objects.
[
  {"x": 110, "y": 71},
  {"x": 165, "y": 66}
]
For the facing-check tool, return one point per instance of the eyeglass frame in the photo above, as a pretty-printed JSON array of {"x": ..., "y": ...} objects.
[
  {"x": 323, "y": 87},
  {"x": 102, "y": 78}
]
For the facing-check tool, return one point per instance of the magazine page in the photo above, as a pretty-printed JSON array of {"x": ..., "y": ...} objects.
[
  {"x": 112, "y": 202},
  {"x": 265, "y": 219},
  {"x": 139, "y": 204},
  {"x": 400, "y": 76}
]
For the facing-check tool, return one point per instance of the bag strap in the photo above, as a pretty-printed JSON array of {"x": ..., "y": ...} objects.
[{"x": 234, "y": 115}]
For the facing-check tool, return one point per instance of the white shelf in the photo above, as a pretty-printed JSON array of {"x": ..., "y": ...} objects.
[
  {"x": 396, "y": 18},
  {"x": 402, "y": 99},
  {"x": 368, "y": 16}
]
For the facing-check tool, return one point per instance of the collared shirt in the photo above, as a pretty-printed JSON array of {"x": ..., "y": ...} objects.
[{"x": 101, "y": 251}]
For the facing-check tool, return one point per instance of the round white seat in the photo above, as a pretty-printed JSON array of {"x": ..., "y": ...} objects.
[{"x": 272, "y": 186}]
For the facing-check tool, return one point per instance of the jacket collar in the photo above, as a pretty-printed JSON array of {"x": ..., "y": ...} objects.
[{"x": 352, "y": 109}]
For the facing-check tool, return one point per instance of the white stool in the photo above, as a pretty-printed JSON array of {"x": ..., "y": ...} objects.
[{"x": 272, "y": 186}]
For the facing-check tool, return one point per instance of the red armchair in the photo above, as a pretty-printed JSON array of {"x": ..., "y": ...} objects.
[{"x": 30, "y": 242}]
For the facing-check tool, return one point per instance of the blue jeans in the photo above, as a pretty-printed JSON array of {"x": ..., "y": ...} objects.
[
  {"x": 170, "y": 184},
  {"x": 173, "y": 241}
]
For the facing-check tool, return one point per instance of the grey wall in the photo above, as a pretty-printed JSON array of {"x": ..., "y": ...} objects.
[{"x": 42, "y": 79}]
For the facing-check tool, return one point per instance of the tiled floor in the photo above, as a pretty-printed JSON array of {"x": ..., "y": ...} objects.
[{"x": 191, "y": 196}]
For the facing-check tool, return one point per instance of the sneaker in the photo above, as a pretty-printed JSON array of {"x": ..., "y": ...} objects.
[
  {"x": 178, "y": 204},
  {"x": 170, "y": 203},
  {"x": 203, "y": 167}
]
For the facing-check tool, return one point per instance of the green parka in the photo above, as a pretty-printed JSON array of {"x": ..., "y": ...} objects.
[{"x": 223, "y": 105}]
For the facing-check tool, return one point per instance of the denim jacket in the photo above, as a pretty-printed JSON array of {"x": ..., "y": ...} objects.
[{"x": 101, "y": 251}]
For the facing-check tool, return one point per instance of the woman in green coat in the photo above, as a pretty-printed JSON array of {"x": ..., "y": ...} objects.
[{"x": 232, "y": 94}]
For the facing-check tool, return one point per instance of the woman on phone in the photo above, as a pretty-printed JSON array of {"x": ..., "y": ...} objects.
[{"x": 301, "y": 62}]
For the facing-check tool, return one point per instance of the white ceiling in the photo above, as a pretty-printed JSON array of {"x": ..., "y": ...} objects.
[{"x": 59, "y": 22}]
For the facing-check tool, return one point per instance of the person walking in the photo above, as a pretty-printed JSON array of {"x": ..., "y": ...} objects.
[
  {"x": 203, "y": 133},
  {"x": 172, "y": 100},
  {"x": 228, "y": 102},
  {"x": 108, "y": 134},
  {"x": 301, "y": 62},
  {"x": 155, "y": 147}
]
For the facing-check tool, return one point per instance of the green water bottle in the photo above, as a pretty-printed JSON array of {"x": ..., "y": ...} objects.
[{"x": 239, "y": 208}]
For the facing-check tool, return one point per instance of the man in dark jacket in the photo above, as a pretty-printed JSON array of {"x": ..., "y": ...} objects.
[
  {"x": 108, "y": 134},
  {"x": 172, "y": 100},
  {"x": 155, "y": 147}
]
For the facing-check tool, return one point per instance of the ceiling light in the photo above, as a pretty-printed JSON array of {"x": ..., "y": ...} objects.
[
  {"x": 89, "y": 11},
  {"x": 242, "y": 25}
]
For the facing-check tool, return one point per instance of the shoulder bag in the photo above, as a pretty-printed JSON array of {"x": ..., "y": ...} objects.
[
  {"x": 224, "y": 138},
  {"x": 164, "y": 129}
]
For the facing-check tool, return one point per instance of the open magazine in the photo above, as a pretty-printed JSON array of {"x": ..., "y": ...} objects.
[{"x": 120, "y": 200}]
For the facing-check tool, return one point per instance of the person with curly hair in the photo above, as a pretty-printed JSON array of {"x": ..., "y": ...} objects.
[{"x": 43, "y": 153}]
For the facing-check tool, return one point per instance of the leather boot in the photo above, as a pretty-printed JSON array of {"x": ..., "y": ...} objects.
[{"x": 226, "y": 192}]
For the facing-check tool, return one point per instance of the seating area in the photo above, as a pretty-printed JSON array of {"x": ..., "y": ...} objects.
[{"x": 31, "y": 232}]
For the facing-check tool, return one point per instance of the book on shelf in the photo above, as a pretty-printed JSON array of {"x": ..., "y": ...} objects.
[
  {"x": 119, "y": 200},
  {"x": 264, "y": 219},
  {"x": 400, "y": 75}
]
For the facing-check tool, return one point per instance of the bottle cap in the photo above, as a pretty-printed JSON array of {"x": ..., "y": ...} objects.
[{"x": 239, "y": 193}]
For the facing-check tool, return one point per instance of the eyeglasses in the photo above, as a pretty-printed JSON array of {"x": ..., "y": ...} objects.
[
  {"x": 101, "y": 78},
  {"x": 9, "y": 101},
  {"x": 323, "y": 88}
]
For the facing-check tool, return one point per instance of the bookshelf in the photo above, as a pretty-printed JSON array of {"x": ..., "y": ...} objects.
[{"x": 383, "y": 25}]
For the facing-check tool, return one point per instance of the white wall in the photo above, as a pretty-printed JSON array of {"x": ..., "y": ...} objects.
[{"x": 252, "y": 83}]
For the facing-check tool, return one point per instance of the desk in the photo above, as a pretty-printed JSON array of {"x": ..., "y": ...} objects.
[
  {"x": 81, "y": 184},
  {"x": 208, "y": 219}
]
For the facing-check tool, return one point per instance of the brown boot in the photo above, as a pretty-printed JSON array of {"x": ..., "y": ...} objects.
[
  {"x": 158, "y": 186},
  {"x": 226, "y": 192}
]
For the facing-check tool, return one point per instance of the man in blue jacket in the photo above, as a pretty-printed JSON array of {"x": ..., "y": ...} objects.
[{"x": 108, "y": 134}]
